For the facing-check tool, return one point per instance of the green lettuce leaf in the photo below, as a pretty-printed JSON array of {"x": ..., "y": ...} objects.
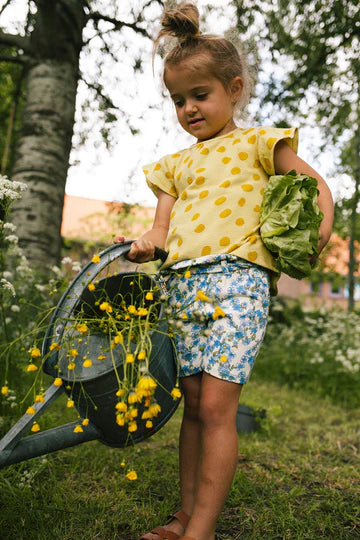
[{"x": 289, "y": 222}]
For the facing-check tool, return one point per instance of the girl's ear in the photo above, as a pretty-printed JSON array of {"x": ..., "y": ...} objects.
[{"x": 235, "y": 88}]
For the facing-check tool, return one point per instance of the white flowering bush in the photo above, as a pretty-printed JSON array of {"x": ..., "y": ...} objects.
[{"x": 317, "y": 350}]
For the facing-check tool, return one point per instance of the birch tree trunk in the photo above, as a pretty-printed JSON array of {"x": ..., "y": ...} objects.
[{"x": 42, "y": 154}]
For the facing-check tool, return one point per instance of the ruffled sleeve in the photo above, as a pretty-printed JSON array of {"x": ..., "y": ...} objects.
[
  {"x": 268, "y": 137},
  {"x": 160, "y": 175}
]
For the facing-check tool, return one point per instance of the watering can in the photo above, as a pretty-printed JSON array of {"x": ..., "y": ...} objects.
[{"x": 94, "y": 389}]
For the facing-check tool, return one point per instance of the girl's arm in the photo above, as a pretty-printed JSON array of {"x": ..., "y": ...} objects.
[
  {"x": 285, "y": 160},
  {"x": 143, "y": 249}
]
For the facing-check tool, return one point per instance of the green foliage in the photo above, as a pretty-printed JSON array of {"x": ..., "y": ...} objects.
[{"x": 318, "y": 350}]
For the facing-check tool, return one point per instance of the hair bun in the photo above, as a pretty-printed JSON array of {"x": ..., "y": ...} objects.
[{"x": 181, "y": 22}]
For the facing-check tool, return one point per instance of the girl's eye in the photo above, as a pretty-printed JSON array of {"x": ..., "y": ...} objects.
[
  {"x": 201, "y": 96},
  {"x": 178, "y": 102}
]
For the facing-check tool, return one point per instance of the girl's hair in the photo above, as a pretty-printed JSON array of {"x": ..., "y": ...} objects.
[{"x": 204, "y": 52}]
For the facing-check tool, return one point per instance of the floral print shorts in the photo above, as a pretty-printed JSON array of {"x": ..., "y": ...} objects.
[{"x": 220, "y": 311}]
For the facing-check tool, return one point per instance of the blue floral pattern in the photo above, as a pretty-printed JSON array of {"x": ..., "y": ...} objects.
[{"x": 223, "y": 346}]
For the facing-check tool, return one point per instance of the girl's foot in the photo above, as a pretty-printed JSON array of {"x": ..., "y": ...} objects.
[{"x": 175, "y": 526}]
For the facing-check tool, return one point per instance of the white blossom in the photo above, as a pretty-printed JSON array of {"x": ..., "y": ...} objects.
[
  {"x": 76, "y": 266},
  {"x": 10, "y": 190},
  {"x": 15, "y": 308},
  {"x": 9, "y": 227},
  {"x": 7, "y": 286},
  {"x": 12, "y": 239},
  {"x": 66, "y": 260}
]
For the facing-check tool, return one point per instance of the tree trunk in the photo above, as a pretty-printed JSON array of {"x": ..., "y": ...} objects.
[{"x": 44, "y": 144}]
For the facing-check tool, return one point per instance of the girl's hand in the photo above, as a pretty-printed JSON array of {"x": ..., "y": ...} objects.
[{"x": 141, "y": 251}]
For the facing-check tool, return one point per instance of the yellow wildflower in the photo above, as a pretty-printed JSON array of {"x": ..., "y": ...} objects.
[
  {"x": 121, "y": 406},
  {"x": 70, "y": 403},
  {"x": 91, "y": 287},
  {"x": 119, "y": 338},
  {"x": 131, "y": 475},
  {"x": 146, "y": 383},
  {"x": 95, "y": 259},
  {"x": 57, "y": 381},
  {"x": 31, "y": 367},
  {"x": 132, "y": 412},
  {"x": 142, "y": 355},
  {"x": 71, "y": 366},
  {"x": 82, "y": 328},
  {"x": 142, "y": 312},
  {"x": 218, "y": 313},
  {"x": 39, "y": 398},
  {"x": 120, "y": 392},
  {"x": 149, "y": 424},
  {"x": 120, "y": 420},
  {"x": 223, "y": 358},
  {"x": 78, "y": 429},
  {"x": 35, "y": 352},
  {"x": 85, "y": 422},
  {"x": 30, "y": 410},
  {"x": 200, "y": 295},
  {"x": 122, "y": 464},
  {"x": 145, "y": 415},
  {"x": 132, "y": 310},
  {"x": 127, "y": 317},
  {"x": 149, "y": 296},
  {"x": 132, "y": 397},
  {"x": 187, "y": 274},
  {"x": 129, "y": 358},
  {"x": 154, "y": 410},
  {"x": 87, "y": 363},
  {"x": 73, "y": 352},
  {"x": 105, "y": 306},
  {"x": 175, "y": 393},
  {"x": 101, "y": 357},
  {"x": 35, "y": 427},
  {"x": 132, "y": 426},
  {"x": 4, "y": 390},
  {"x": 54, "y": 345}
]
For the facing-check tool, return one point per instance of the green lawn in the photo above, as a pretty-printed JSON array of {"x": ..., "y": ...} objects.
[{"x": 297, "y": 478}]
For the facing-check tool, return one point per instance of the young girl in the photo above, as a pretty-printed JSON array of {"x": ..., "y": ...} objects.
[{"x": 209, "y": 197}]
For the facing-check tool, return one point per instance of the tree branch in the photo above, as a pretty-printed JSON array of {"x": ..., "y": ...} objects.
[
  {"x": 14, "y": 40},
  {"x": 99, "y": 92},
  {"x": 118, "y": 25},
  {"x": 15, "y": 59}
]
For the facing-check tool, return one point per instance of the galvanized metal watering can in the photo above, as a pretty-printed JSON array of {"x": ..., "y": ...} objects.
[{"x": 94, "y": 390}]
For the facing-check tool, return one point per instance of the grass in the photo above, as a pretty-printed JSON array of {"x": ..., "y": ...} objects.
[{"x": 297, "y": 478}]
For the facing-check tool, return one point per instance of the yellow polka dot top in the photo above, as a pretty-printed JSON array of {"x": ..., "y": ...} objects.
[{"x": 218, "y": 185}]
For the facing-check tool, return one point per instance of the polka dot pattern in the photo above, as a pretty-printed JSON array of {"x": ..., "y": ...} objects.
[{"x": 218, "y": 185}]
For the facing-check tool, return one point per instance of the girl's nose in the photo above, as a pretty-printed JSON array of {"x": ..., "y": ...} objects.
[{"x": 190, "y": 106}]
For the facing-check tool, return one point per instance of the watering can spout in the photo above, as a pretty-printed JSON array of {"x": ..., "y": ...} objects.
[{"x": 14, "y": 449}]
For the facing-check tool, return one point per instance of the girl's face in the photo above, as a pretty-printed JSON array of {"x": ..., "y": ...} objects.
[{"x": 203, "y": 106}]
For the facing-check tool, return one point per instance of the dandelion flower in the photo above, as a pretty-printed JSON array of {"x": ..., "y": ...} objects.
[
  {"x": 105, "y": 306},
  {"x": 154, "y": 410},
  {"x": 218, "y": 313},
  {"x": 142, "y": 312},
  {"x": 200, "y": 295},
  {"x": 120, "y": 392},
  {"x": 119, "y": 338},
  {"x": 132, "y": 398},
  {"x": 142, "y": 355},
  {"x": 149, "y": 296},
  {"x": 31, "y": 367},
  {"x": 54, "y": 345},
  {"x": 87, "y": 363},
  {"x": 122, "y": 464},
  {"x": 39, "y": 398},
  {"x": 35, "y": 427},
  {"x": 175, "y": 393},
  {"x": 120, "y": 420},
  {"x": 78, "y": 429},
  {"x": 146, "y": 383},
  {"x": 82, "y": 328},
  {"x": 132, "y": 427},
  {"x": 71, "y": 366},
  {"x": 30, "y": 410},
  {"x": 101, "y": 357},
  {"x": 121, "y": 406},
  {"x": 95, "y": 259},
  {"x": 73, "y": 352},
  {"x": 57, "y": 381},
  {"x": 35, "y": 352},
  {"x": 91, "y": 287},
  {"x": 132, "y": 310},
  {"x": 133, "y": 413},
  {"x": 131, "y": 475},
  {"x": 85, "y": 422},
  {"x": 129, "y": 358},
  {"x": 149, "y": 424},
  {"x": 4, "y": 390}
]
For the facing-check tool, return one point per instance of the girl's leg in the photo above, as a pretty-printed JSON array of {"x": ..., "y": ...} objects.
[
  {"x": 219, "y": 450},
  {"x": 189, "y": 450}
]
